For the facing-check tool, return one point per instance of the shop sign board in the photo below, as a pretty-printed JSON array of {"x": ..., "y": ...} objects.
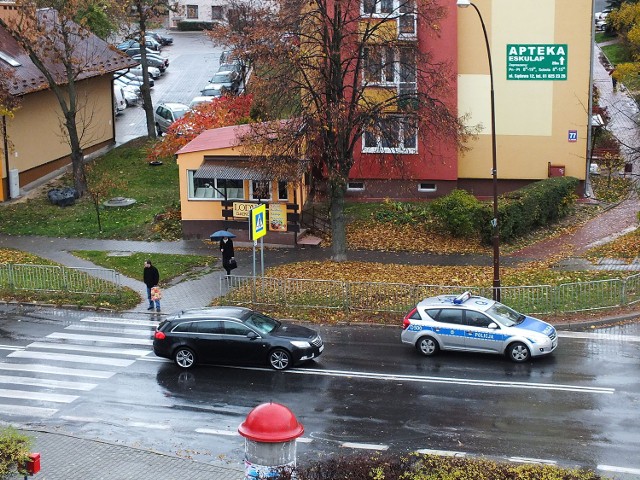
[
  {"x": 537, "y": 61},
  {"x": 242, "y": 209},
  {"x": 278, "y": 217}
]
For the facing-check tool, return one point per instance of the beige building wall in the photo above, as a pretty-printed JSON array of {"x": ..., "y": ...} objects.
[
  {"x": 533, "y": 118},
  {"x": 37, "y": 134}
]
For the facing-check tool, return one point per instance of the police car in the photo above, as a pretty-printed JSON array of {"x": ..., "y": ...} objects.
[{"x": 472, "y": 323}]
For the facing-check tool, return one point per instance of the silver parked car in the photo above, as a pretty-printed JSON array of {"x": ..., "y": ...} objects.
[
  {"x": 167, "y": 113},
  {"x": 476, "y": 324}
]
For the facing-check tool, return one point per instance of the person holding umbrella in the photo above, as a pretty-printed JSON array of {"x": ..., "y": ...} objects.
[{"x": 226, "y": 247}]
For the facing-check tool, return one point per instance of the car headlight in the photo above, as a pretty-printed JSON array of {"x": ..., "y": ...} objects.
[{"x": 300, "y": 344}]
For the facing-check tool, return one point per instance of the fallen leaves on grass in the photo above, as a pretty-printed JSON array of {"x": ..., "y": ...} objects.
[
  {"x": 626, "y": 247},
  {"x": 8, "y": 255}
]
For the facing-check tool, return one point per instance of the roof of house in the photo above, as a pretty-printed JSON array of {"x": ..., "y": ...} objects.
[
  {"x": 99, "y": 58},
  {"x": 216, "y": 138}
]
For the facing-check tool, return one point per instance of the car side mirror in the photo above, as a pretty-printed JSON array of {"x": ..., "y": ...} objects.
[
  {"x": 252, "y": 335},
  {"x": 493, "y": 326}
]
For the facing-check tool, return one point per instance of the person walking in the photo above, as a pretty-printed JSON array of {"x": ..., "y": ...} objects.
[
  {"x": 151, "y": 277},
  {"x": 228, "y": 259},
  {"x": 614, "y": 80}
]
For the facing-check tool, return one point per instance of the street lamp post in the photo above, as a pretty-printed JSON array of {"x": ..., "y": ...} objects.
[{"x": 495, "y": 238}]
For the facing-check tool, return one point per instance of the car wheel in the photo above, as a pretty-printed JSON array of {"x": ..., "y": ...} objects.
[
  {"x": 158, "y": 131},
  {"x": 518, "y": 352},
  {"x": 279, "y": 359},
  {"x": 427, "y": 346},
  {"x": 184, "y": 357}
]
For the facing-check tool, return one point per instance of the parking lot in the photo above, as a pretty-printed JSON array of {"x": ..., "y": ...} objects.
[{"x": 193, "y": 59}]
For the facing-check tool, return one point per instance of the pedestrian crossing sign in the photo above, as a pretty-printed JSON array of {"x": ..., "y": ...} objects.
[{"x": 258, "y": 224}]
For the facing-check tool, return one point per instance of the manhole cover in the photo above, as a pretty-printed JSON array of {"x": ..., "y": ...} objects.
[{"x": 119, "y": 202}]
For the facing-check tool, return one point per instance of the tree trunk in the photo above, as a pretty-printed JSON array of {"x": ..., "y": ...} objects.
[
  {"x": 77, "y": 156},
  {"x": 338, "y": 223}
]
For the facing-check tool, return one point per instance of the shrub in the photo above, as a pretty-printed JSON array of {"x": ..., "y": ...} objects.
[
  {"x": 14, "y": 450},
  {"x": 533, "y": 206},
  {"x": 430, "y": 467},
  {"x": 456, "y": 213},
  {"x": 185, "y": 26},
  {"x": 401, "y": 213}
]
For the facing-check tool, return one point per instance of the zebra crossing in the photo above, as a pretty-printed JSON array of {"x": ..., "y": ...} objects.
[{"x": 40, "y": 378}]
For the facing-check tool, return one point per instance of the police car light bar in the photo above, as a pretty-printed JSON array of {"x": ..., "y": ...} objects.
[{"x": 462, "y": 298}]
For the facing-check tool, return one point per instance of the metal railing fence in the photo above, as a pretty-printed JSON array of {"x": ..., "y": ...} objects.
[
  {"x": 57, "y": 278},
  {"x": 399, "y": 297}
]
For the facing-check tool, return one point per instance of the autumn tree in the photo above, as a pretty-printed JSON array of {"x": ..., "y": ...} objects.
[
  {"x": 65, "y": 53},
  {"x": 220, "y": 112},
  {"x": 138, "y": 16},
  {"x": 328, "y": 66}
]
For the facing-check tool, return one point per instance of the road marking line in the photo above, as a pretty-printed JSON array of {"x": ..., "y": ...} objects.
[
  {"x": 455, "y": 381},
  {"x": 37, "y": 368},
  {"x": 43, "y": 397},
  {"x": 16, "y": 410},
  {"x": 441, "y": 453},
  {"x": 89, "y": 348},
  {"x": 46, "y": 383},
  {"x": 121, "y": 321},
  {"x": 124, "y": 331},
  {"x": 10, "y": 347},
  {"x": 364, "y": 446},
  {"x": 65, "y": 357},
  {"x": 213, "y": 431},
  {"x": 599, "y": 336},
  {"x": 153, "y": 426},
  {"x": 532, "y": 460},
  {"x": 609, "y": 468},
  {"x": 97, "y": 338}
]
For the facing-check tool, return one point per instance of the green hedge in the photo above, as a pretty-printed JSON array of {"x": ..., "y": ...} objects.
[
  {"x": 186, "y": 26},
  {"x": 14, "y": 451},
  {"x": 528, "y": 208}
]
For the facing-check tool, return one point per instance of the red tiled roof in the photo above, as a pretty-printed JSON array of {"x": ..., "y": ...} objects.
[
  {"x": 101, "y": 58},
  {"x": 216, "y": 138}
]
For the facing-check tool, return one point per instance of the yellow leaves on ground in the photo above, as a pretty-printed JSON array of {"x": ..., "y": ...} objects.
[
  {"x": 625, "y": 247},
  {"x": 15, "y": 256},
  {"x": 407, "y": 237}
]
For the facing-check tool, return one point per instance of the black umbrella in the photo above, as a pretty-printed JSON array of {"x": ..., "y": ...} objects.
[{"x": 220, "y": 234}]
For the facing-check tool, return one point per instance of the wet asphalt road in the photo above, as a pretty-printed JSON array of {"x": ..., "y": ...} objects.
[{"x": 367, "y": 392}]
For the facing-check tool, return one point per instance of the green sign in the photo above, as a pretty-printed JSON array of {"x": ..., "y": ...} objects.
[{"x": 537, "y": 61}]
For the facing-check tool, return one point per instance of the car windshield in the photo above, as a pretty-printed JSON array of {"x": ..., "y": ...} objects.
[
  {"x": 505, "y": 315},
  {"x": 212, "y": 92},
  {"x": 262, "y": 323},
  {"x": 220, "y": 78}
]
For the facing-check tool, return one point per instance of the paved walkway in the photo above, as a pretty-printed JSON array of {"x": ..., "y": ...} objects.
[{"x": 70, "y": 458}]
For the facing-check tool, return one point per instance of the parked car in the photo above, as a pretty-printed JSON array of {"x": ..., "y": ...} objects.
[
  {"x": 472, "y": 323},
  {"x": 211, "y": 92},
  {"x": 119, "y": 102},
  {"x": 153, "y": 71},
  {"x": 132, "y": 78},
  {"x": 153, "y": 61},
  {"x": 199, "y": 100},
  {"x": 227, "y": 80},
  {"x": 234, "y": 335},
  {"x": 150, "y": 42},
  {"x": 161, "y": 38},
  {"x": 167, "y": 113},
  {"x": 131, "y": 92}
]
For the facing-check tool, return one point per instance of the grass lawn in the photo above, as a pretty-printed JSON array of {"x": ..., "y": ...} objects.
[
  {"x": 170, "y": 266},
  {"x": 154, "y": 216}
]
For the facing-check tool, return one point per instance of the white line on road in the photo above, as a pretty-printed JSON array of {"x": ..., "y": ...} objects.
[
  {"x": 364, "y": 446},
  {"x": 441, "y": 453},
  {"x": 42, "y": 397},
  {"x": 599, "y": 336},
  {"x": 125, "y": 331},
  {"x": 536, "y": 461},
  {"x": 65, "y": 357},
  {"x": 48, "y": 369},
  {"x": 121, "y": 321},
  {"x": 455, "y": 381},
  {"x": 16, "y": 410},
  {"x": 609, "y": 468},
  {"x": 10, "y": 347},
  {"x": 46, "y": 383},
  {"x": 132, "y": 352},
  {"x": 213, "y": 431},
  {"x": 152, "y": 426},
  {"x": 76, "y": 337}
]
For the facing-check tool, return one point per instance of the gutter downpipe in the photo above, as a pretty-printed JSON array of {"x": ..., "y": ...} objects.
[
  {"x": 587, "y": 178},
  {"x": 5, "y": 146}
]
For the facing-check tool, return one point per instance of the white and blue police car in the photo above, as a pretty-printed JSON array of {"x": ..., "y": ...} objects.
[{"x": 472, "y": 323}]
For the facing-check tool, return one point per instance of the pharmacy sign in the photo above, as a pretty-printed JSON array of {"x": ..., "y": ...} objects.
[{"x": 537, "y": 61}]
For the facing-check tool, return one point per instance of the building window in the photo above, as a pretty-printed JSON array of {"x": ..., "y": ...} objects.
[
  {"x": 214, "y": 188},
  {"x": 192, "y": 12},
  {"x": 391, "y": 134},
  {"x": 373, "y": 7},
  {"x": 283, "y": 191},
  {"x": 389, "y": 66},
  {"x": 217, "y": 12},
  {"x": 427, "y": 187},
  {"x": 355, "y": 186},
  {"x": 407, "y": 19},
  {"x": 261, "y": 190}
]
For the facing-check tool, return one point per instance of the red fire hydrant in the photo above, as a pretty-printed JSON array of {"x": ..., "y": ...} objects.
[{"x": 270, "y": 431}]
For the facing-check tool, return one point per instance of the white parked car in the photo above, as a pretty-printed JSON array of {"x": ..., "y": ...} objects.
[
  {"x": 119, "y": 103},
  {"x": 153, "y": 71}
]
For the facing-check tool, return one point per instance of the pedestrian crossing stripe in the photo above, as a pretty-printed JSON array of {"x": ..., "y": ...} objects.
[
  {"x": 65, "y": 357},
  {"x": 39, "y": 396}
]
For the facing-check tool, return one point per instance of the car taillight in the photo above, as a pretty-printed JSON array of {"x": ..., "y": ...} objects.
[
  {"x": 407, "y": 319},
  {"x": 160, "y": 336}
]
